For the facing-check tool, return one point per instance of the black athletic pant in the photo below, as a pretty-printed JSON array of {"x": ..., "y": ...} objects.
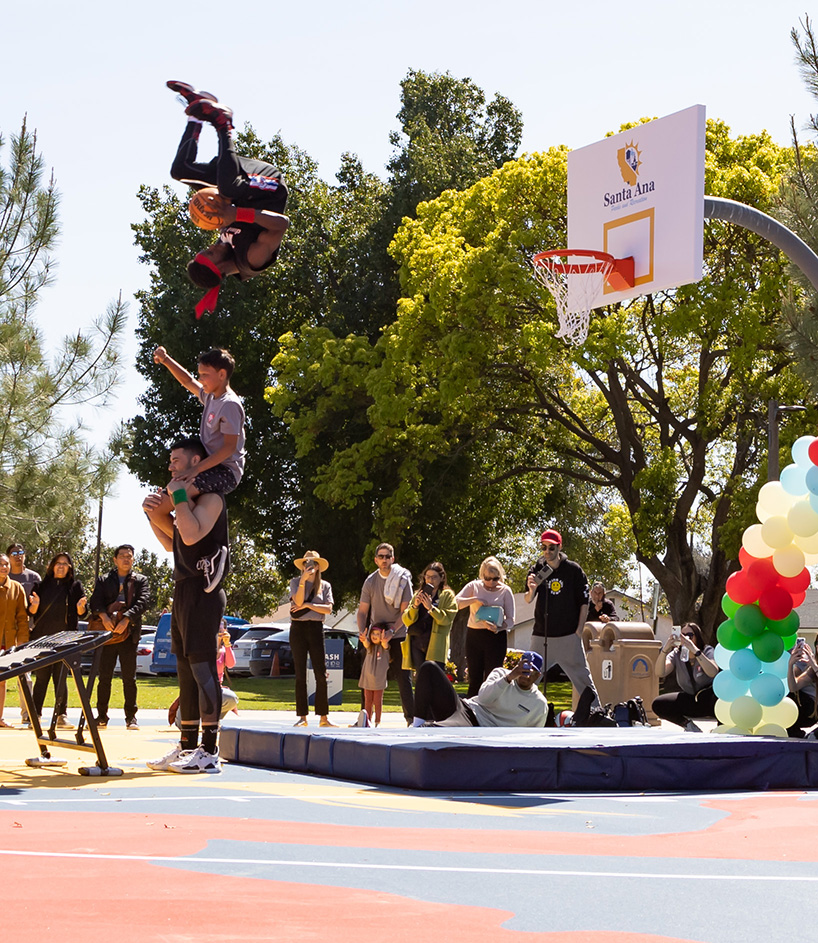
[
  {"x": 231, "y": 174},
  {"x": 41, "y": 678},
  {"x": 679, "y": 707},
  {"x": 396, "y": 673},
  {"x": 435, "y": 696},
  {"x": 307, "y": 638},
  {"x": 485, "y": 651},
  {"x": 126, "y": 653}
]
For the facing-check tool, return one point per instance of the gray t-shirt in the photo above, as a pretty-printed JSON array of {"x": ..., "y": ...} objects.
[
  {"x": 223, "y": 415},
  {"x": 28, "y": 578},
  {"x": 380, "y": 611},
  {"x": 322, "y": 598}
]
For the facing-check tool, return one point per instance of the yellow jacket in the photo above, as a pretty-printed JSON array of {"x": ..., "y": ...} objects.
[{"x": 442, "y": 617}]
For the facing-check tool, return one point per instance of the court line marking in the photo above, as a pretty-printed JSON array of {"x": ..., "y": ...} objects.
[{"x": 353, "y": 866}]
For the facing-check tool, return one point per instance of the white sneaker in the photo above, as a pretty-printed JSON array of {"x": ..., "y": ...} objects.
[
  {"x": 163, "y": 764},
  {"x": 199, "y": 761},
  {"x": 64, "y": 723},
  {"x": 213, "y": 569}
]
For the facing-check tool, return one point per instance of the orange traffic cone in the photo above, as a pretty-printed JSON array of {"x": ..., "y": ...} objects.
[{"x": 275, "y": 670}]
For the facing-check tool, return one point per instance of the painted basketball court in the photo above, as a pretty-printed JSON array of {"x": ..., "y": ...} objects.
[{"x": 261, "y": 855}]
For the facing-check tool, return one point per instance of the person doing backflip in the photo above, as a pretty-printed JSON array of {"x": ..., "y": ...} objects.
[{"x": 253, "y": 221}]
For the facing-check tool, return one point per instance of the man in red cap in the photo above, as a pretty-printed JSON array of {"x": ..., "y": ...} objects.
[
  {"x": 249, "y": 241},
  {"x": 560, "y": 588}
]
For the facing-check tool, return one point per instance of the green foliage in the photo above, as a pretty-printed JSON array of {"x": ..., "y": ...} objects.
[
  {"x": 656, "y": 423},
  {"x": 48, "y": 471}
]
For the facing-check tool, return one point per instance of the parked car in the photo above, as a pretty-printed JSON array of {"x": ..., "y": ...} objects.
[
  {"x": 164, "y": 661},
  {"x": 144, "y": 654},
  {"x": 244, "y": 645},
  {"x": 261, "y": 658},
  {"x": 88, "y": 657}
]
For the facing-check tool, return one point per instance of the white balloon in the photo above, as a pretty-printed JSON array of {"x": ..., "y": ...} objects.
[
  {"x": 775, "y": 532},
  {"x": 773, "y": 496}
]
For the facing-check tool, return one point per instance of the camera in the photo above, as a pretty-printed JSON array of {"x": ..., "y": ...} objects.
[{"x": 541, "y": 575}]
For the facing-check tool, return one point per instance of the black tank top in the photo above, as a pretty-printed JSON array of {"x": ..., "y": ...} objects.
[
  {"x": 240, "y": 236},
  {"x": 188, "y": 559}
]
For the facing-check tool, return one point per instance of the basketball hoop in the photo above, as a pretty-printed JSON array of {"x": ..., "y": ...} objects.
[{"x": 576, "y": 279}]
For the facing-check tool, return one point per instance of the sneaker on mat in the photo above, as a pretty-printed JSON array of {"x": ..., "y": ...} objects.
[
  {"x": 163, "y": 763},
  {"x": 199, "y": 761},
  {"x": 362, "y": 721},
  {"x": 690, "y": 727}
]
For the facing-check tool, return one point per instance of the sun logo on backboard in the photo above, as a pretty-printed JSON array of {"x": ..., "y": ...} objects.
[{"x": 629, "y": 158}]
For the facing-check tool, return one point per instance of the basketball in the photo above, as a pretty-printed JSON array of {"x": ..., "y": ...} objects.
[{"x": 207, "y": 207}]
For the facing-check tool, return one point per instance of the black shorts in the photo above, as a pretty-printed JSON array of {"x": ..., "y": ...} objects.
[
  {"x": 195, "y": 620},
  {"x": 217, "y": 480}
]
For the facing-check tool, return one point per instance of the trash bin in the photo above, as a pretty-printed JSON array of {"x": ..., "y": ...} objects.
[{"x": 622, "y": 658}]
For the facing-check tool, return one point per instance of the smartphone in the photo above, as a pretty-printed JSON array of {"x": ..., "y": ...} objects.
[
  {"x": 676, "y": 632},
  {"x": 428, "y": 589}
]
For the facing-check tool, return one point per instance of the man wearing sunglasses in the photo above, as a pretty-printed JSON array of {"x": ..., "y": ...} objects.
[
  {"x": 385, "y": 595},
  {"x": 560, "y": 588}
]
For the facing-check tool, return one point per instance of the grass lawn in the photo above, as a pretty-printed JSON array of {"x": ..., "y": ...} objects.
[{"x": 267, "y": 694}]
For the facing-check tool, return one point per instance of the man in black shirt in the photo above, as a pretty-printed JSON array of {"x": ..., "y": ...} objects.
[
  {"x": 561, "y": 590},
  {"x": 118, "y": 601},
  {"x": 254, "y": 225},
  {"x": 196, "y": 531}
]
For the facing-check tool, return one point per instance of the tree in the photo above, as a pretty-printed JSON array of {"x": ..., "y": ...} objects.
[
  {"x": 334, "y": 276},
  {"x": 656, "y": 424},
  {"x": 47, "y": 468}
]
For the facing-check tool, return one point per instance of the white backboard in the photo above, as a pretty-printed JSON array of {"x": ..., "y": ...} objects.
[{"x": 641, "y": 193}]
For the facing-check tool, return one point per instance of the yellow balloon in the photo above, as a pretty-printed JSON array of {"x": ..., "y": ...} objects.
[
  {"x": 724, "y": 728},
  {"x": 784, "y": 714},
  {"x": 762, "y": 513},
  {"x": 788, "y": 561},
  {"x": 770, "y": 730},
  {"x": 802, "y": 519},
  {"x": 746, "y": 712},
  {"x": 723, "y": 712},
  {"x": 810, "y": 559},
  {"x": 775, "y": 532},
  {"x": 754, "y": 544},
  {"x": 773, "y": 496},
  {"x": 807, "y": 544}
]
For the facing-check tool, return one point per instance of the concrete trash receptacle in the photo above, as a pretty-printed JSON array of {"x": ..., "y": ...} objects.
[{"x": 622, "y": 659}]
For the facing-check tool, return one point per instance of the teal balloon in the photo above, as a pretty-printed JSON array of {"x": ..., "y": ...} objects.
[
  {"x": 786, "y": 626},
  {"x": 729, "y": 636},
  {"x": 794, "y": 480},
  {"x": 767, "y": 690},
  {"x": 745, "y": 665},
  {"x": 750, "y": 621},
  {"x": 812, "y": 479},
  {"x": 779, "y": 666},
  {"x": 769, "y": 646},
  {"x": 722, "y": 657},
  {"x": 727, "y": 687},
  {"x": 800, "y": 450},
  {"x": 729, "y": 606}
]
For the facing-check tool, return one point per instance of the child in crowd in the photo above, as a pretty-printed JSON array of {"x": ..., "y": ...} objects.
[
  {"x": 375, "y": 640},
  {"x": 226, "y": 659},
  {"x": 222, "y": 426}
]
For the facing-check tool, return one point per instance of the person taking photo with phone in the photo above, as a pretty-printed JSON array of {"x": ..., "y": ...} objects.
[{"x": 428, "y": 620}]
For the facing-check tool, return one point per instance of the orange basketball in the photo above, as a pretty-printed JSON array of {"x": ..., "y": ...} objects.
[{"x": 207, "y": 207}]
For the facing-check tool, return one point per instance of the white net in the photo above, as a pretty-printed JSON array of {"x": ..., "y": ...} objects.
[{"x": 576, "y": 280}]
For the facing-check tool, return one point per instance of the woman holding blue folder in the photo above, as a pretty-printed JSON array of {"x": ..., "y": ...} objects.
[{"x": 491, "y": 605}]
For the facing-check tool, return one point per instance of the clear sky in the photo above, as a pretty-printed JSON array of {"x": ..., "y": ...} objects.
[{"x": 90, "y": 76}]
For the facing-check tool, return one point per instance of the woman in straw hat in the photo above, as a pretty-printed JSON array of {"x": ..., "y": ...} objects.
[{"x": 310, "y": 600}]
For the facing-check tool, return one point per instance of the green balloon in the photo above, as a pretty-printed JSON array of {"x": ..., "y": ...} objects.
[
  {"x": 789, "y": 642},
  {"x": 729, "y": 606},
  {"x": 786, "y": 626},
  {"x": 750, "y": 621},
  {"x": 729, "y": 636},
  {"x": 768, "y": 647}
]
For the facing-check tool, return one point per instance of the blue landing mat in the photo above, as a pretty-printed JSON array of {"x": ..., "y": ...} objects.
[{"x": 508, "y": 760}]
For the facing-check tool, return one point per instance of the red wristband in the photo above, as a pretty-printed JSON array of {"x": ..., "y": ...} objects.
[{"x": 243, "y": 215}]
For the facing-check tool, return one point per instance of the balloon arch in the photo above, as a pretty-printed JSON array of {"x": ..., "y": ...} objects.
[{"x": 760, "y": 604}]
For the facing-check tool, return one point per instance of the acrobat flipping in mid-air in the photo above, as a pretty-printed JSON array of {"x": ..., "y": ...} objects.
[{"x": 246, "y": 199}]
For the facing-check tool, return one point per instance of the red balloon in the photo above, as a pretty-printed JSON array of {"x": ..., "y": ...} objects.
[
  {"x": 798, "y": 598},
  {"x": 775, "y": 603},
  {"x": 812, "y": 451},
  {"x": 763, "y": 575},
  {"x": 745, "y": 559},
  {"x": 796, "y": 584},
  {"x": 740, "y": 589}
]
